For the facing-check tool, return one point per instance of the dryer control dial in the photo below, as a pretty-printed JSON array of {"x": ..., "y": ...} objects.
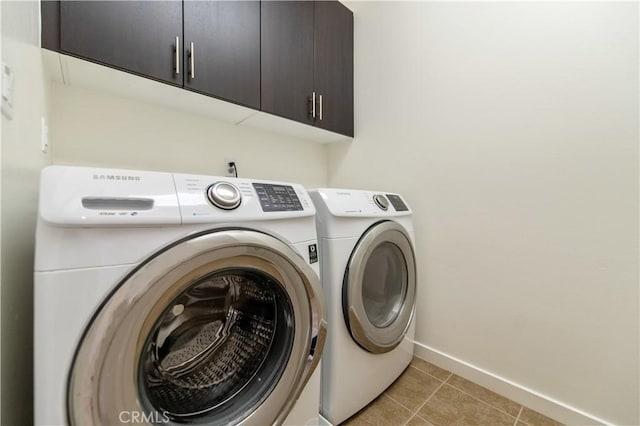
[
  {"x": 381, "y": 201},
  {"x": 224, "y": 195}
]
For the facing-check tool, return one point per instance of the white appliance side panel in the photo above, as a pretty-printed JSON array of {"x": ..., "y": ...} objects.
[
  {"x": 85, "y": 196},
  {"x": 196, "y": 208},
  {"x": 64, "y": 302},
  {"x": 307, "y": 409},
  {"x": 347, "y": 382}
]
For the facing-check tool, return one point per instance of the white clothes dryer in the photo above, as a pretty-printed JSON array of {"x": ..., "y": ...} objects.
[
  {"x": 175, "y": 299},
  {"x": 368, "y": 271}
]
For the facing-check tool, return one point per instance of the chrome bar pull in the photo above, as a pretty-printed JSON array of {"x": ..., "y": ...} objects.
[
  {"x": 313, "y": 105},
  {"x": 192, "y": 55},
  {"x": 177, "y": 55},
  {"x": 320, "y": 107}
]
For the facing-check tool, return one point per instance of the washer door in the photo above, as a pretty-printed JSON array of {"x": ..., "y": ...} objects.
[
  {"x": 379, "y": 288},
  {"x": 220, "y": 328}
]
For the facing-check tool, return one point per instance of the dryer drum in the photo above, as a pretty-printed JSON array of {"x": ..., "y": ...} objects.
[{"x": 212, "y": 342}]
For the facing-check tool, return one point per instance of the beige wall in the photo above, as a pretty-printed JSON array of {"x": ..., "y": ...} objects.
[
  {"x": 21, "y": 164},
  {"x": 1, "y": 38},
  {"x": 512, "y": 129},
  {"x": 96, "y": 128}
]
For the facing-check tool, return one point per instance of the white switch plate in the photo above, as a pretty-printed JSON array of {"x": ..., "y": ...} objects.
[
  {"x": 45, "y": 136},
  {"x": 7, "y": 90}
]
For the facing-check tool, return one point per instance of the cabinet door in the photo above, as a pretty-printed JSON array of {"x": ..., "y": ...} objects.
[
  {"x": 287, "y": 58},
  {"x": 226, "y": 44},
  {"x": 334, "y": 66},
  {"x": 136, "y": 36}
]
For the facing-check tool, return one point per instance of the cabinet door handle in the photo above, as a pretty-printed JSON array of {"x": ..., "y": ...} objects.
[
  {"x": 177, "y": 55},
  {"x": 192, "y": 55},
  {"x": 313, "y": 105},
  {"x": 320, "y": 107}
]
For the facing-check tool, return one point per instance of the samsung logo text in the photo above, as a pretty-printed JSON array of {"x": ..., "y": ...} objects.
[{"x": 117, "y": 177}]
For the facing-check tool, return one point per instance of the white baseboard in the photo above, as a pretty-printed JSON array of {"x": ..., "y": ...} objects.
[
  {"x": 323, "y": 422},
  {"x": 518, "y": 393}
]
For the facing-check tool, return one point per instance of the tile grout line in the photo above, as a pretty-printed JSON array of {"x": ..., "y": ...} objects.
[
  {"x": 399, "y": 403},
  {"x": 413, "y": 413},
  {"x": 427, "y": 400},
  {"x": 406, "y": 408},
  {"x": 429, "y": 374},
  {"x": 467, "y": 393},
  {"x": 485, "y": 402},
  {"x": 479, "y": 400},
  {"x": 519, "y": 414}
]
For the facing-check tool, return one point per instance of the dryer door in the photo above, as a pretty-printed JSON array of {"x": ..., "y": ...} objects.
[
  {"x": 379, "y": 288},
  {"x": 221, "y": 328}
]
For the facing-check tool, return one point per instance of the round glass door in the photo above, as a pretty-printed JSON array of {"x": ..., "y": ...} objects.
[
  {"x": 384, "y": 284},
  {"x": 379, "y": 288},
  {"x": 221, "y": 328}
]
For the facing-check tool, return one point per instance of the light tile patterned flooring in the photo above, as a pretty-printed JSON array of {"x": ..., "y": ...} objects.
[{"x": 426, "y": 395}]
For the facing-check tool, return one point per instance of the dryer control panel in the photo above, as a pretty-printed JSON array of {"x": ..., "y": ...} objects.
[{"x": 359, "y": 203}]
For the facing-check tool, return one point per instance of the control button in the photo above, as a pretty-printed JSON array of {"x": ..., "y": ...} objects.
[
  {"x": 381, "y": 201},
  {"x": 224, "y": 195}
]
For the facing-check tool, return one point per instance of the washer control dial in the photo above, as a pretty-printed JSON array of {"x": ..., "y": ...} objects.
[
  {"x": 381, "y": 201},
  {"x": 224, "y": 195}
]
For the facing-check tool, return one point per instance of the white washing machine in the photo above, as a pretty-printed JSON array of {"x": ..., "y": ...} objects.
[
  {"x": 368, "y": 272},
  {"x": 178, "y": 299}
]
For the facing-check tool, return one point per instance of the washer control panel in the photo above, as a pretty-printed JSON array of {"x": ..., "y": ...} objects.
[
  {"x": 207, "y": 199},
  {"x": 277, "y": 198}
]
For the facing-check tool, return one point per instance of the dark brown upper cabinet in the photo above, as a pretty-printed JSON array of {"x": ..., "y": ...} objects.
[
  {"x": 293, "y": 59},
  {"x": 307, "y": 63},
  {"x": 208, "y": 47},
  {"x": 287, "y": 59},
  {"x": 222, "y": 49},
  {"x": 135, "y": 36},
  {"x": 334, "y": 67}
]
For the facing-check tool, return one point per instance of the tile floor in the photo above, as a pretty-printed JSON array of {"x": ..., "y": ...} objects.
[{"x": 426, "y": 395}]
